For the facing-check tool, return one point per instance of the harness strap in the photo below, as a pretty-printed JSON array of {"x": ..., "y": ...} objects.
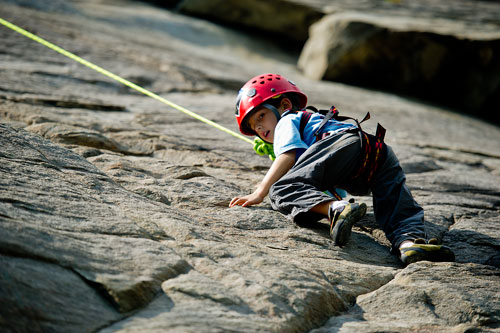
[
  {"x": 374, "y": 153},
  {"x": 328, "y": 115},
  {"x": 335, "y": 194},
  {"x": 304, "y": 119},
  {"x": 374, "y": 149},
  {"x": 326, "y": 118},
  {"x": 380, "y": 132}
]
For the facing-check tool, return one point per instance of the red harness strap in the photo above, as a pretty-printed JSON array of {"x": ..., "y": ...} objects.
[
  {"x": 373, "y": 146},
  {"x": 374, "y": 154}
]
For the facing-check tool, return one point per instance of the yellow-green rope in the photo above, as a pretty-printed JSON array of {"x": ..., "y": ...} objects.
[{"x": 120, "y": 79}]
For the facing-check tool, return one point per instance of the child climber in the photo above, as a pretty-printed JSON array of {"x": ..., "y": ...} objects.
[{"x": 315, "y": 154}]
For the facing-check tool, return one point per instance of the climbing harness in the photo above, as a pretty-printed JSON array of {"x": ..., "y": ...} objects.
[
  {"x": 120, "y": 79},
  {"x": 373, "y": 147},
  {"x": 375, "y": 151}
]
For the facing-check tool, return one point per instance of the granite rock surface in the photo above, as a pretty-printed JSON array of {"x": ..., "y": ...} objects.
[
  {"x": 446, "y": 53},
  {"x": 113, "y": 206}
]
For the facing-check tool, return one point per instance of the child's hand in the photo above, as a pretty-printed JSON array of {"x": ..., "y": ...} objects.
[{"x": 247, "y": 200}]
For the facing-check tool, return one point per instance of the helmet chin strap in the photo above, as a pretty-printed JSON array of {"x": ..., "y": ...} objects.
[
  {"x": 274, "y": 110},
  {"x": 276, "y": 114}
]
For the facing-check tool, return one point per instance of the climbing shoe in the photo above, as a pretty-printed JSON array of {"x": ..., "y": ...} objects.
[
  {"x": 422, "y": 250},
  {"x": 342, "y": 217}
]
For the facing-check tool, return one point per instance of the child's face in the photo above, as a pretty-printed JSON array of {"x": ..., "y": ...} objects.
[{"x": 263, "y": 122}]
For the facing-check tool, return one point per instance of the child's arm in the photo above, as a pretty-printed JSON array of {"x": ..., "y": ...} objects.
[{"x": 280, "y": 166}]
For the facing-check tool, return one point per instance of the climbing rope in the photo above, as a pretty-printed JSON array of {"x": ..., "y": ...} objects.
[
  {"x": 120, "y": 79},
  {"x": 264, "y": 148}
]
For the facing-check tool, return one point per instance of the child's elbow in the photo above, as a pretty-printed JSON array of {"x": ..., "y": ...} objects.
[{"x": 289, "y": 158}]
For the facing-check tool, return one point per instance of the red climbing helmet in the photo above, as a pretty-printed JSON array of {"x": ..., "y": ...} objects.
[{"x": 260, "y": 89}]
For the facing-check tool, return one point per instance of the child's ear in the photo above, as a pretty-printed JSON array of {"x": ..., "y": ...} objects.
[{"x": 286, "y": 104}]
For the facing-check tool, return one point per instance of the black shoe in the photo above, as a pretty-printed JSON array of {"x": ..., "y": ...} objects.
[
  {"x": 423, "y": 250},
  {"x": 341, "y": 222}
]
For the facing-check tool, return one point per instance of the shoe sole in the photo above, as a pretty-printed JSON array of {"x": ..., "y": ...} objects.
[
  {"x": 343, "y": 226},
  {"x": 411, "y": 256},
  {"x": 435, "y": 253}
]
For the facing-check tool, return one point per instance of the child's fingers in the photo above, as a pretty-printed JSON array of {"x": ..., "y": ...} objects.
[
  {"x": 245, "y": 201},
  {"x": 237, "y": 201},
  {"x": 233, "y": 201}
]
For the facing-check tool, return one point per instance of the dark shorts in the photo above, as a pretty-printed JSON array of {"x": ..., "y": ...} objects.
[{"x": 332, "y": 163}]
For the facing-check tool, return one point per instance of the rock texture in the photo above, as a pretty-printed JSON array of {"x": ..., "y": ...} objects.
[
  {"x": 447, "y": 53},
  {"x": 113, "y": 206},
  {"x": 418, "y": 292},
  {"x": 279, "y": 19},
  {"x": 442, "y": 60}
]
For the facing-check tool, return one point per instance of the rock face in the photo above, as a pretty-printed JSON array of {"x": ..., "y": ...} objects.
[
  {"x": 444, "y": 53},
  {"x": 442, "y": 60},
  {"x": 418, "y": 292},
  {"x": 113, "y": 206},
  {"x": 288, "y": 20}
]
